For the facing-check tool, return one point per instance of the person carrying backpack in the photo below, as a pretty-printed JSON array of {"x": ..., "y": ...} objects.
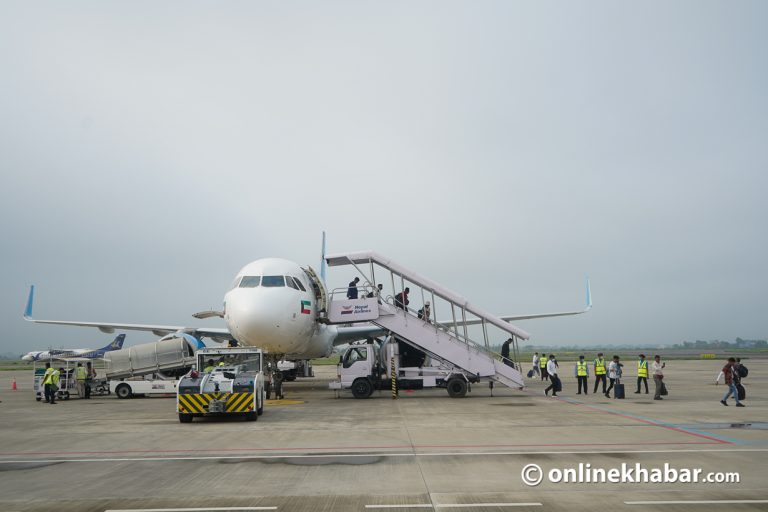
[{"x": 732, "y": 381}]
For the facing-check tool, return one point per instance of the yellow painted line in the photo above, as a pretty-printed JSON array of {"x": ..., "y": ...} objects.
[{"x": 283, "y": 402}]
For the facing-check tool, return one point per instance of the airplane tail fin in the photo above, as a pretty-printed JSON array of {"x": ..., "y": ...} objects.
[
  {"x": 117, "y": 344},
  {"x": 322, "y": 260},
  {"x": 30, "y": 299},
  {"x": 589, "y": 296}
]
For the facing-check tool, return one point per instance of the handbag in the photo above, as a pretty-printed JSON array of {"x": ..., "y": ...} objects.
[{"x": 663, "y": 391}]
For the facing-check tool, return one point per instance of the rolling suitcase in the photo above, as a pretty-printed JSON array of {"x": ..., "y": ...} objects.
[
  {"x": 618, "y": 389},
  {"x": 530, "y": 373}
]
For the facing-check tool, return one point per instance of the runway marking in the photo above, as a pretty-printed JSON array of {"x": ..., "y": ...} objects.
[
  {"x": 407, "y": 454},
  {"x": 694, "y": 502},
  {"x": 456, "y": 505},
  {"x": 203, "y": 509},
  {"x": 691, "y": 432},
  {"x": 335, "y": 449}
]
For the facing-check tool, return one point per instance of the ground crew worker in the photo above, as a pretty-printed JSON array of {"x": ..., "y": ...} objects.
[
  {"x": 599, "y": 372},
  {"x": 543, "y": 367},
  {"x": 581, "y": 371},
  {"x": 47, "y": 384},
  {"x": 642, "y": 373},
  {"x": 91, "y": 376},
  {"x": 80, "y": 377},
  {"x": 210, "y": 367}
]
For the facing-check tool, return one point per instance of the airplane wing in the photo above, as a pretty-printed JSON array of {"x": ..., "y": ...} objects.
[
  {"x": 512, "y": 318},
  {"x": 217, "y": 334},
  {"x": 359, "y": 332}
]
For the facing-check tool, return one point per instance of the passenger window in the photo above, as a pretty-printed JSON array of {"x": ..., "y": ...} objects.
[
  {"x": 298, "y": 282},
  {"x": 250, "y": 281},
  {"x": 272, "y": 281},
  {"x": 290, "y": 283}
]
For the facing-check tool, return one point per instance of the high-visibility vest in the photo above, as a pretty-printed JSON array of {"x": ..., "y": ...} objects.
[
  {"x": 48, "y": 376},
  {"x": 599, "y": 366},
  {"x": 80, "y": 373},
  {"x": 642, "y": 368},
  {"x": 542, "y": 362},
  {"x": 55, "y": 377},
  {"x": 581, "y": 369},
  {"x": 208, "y": 369}
]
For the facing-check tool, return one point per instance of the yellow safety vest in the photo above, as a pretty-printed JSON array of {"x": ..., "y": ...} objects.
[
  {"x": 642, "y": 368},
  {"x": 599, "y": 366},
  {"x": 208, "y": 369},
  {"x": 581, "y": 369},
  {"x": 80, "y": 373},
  {"x": 542, "y": 362},
  {"x": 48, "y": 376}
]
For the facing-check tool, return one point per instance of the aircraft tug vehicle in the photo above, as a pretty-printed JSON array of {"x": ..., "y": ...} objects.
[{"x": 226, "y": 382}]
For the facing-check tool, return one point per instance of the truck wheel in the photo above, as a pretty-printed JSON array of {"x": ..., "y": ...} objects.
[
  {"x": 457, "y": 387},
  {"x": 251, "y": 416},
  {"x": 362, "y": 388},
  {"x": 124, "y": 391},
  {"x": 184, "y": 418},
  {"x": 66, "y": 395},
  {"x": 38, "y": 398}
]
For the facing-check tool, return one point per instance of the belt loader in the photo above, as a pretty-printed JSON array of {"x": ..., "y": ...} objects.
[{"x": 226, "y": 382}]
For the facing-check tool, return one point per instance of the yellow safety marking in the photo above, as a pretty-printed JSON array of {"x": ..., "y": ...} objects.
[
  {"x": 240, "y": 402},
  {"x": 188, "y": 404},
  {"x": 283, "y": 402}
]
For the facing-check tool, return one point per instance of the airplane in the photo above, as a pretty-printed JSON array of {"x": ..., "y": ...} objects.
[
  {"x": 88, "y": 353},
  {"x": 272, "y": 304}
]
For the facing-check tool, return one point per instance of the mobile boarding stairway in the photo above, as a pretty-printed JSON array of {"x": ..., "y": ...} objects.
[{"x": 457, "y": 334}]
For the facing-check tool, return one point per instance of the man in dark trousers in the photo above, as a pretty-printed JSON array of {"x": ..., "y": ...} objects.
[
  {"x": 581, "y": 371},
  {"x": 352, "y": 290},
  {"x": 505, "y": 353},
  {"x": 401, "y": 299},
  {"x": 543, "y": 367},
  {"x": 554, "y": 378},
  {"x": 642, "y": 373},
  {"x": 600, "y": 370}
]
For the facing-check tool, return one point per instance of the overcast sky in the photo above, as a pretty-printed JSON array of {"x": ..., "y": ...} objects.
[{"x": 149, "y": 150}]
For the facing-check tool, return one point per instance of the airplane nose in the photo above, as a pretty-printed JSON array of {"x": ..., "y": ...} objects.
[
  {"x": 27, "y": 358},
  {"x": 263, "y": 318}
]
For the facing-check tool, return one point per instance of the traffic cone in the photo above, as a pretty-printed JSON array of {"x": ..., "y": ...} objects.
[{"x": 13, "y": 384}]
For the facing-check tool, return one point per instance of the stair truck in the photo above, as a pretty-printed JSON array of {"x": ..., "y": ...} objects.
[
  {"x": 227, "y": 381},
  {"x": 365, "y": 367}
]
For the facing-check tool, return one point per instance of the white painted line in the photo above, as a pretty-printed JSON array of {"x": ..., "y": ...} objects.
[
  {"x": 412, "y": 505},
  {"x": 470, "y": 505},
  {"x": 378, "y": 454},
  {"x": 203, "y": 509},
  {"x": 694, "y": 502}
]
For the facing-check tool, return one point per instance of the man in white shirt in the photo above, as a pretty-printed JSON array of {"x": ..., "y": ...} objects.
[
  {"x": 536, "y": 363},
  {"x": 553, "y": 376},
  {"x": 614, "y": 374},
  {"x": 658, "y": 375}
]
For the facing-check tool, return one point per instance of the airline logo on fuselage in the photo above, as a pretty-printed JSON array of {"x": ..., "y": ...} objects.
[{"x": 305, "y": 304}]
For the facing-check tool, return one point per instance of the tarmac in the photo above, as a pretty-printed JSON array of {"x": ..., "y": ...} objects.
[{"x": 423, "y": 451}]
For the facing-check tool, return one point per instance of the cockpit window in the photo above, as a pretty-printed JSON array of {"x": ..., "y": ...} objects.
[
  {"x": 250, "y": 281},
  {"x": 272, "y": 281},
  {"x": 290, "y": 283},
  {"x": 298, "y": 282}
]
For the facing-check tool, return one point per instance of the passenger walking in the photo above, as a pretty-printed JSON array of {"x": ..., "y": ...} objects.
[
  {"x": 505, "y": 353},
  {"x": 81, "y": 375},
  {"x": 658, "y": 376},
  {"x": 401, "y": 299},
  {"x": 425, "y": 313},
  {"x": 581, "y": 371},
  {"x": 536, "y": 363},
  {"x": 642, "y": 373},
  {"x": 543, "y": 367},
  {"x": 614, "y": 374},
  {"x": 376, "y": 292},
  {"x": 554, "y": 379},
  {"x": 352, "y": 290},
  {"x": 730, "y": 371},
  {"x": 599, "y": 372}
]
